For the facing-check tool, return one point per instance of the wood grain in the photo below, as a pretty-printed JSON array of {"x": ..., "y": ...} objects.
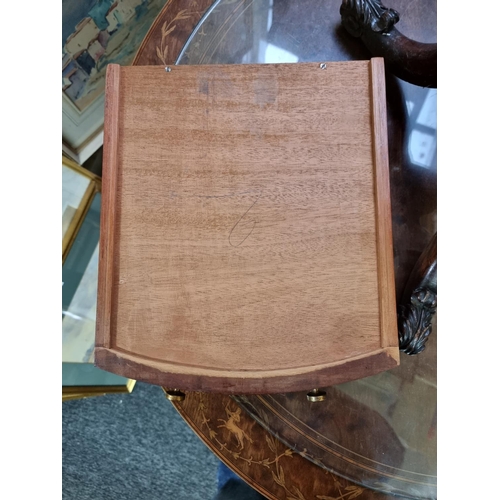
[
  {"x": 385, "y": 257},
  {"x": 170, "y": 31},
  {"x": 251, "y": 246},
  {"x": 243, "y": 382},
  {"x": 261, "y": 459},
  {"x": 105, "y": 283}
]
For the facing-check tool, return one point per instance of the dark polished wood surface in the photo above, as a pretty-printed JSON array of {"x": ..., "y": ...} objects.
[
  {"x": 170, "y": 31},
  {"x": 313, "y": 31},
  {"x": 380, "y": 430},
  {"x": 263, "y": 461},
  {"x": 374, "y": 24}
]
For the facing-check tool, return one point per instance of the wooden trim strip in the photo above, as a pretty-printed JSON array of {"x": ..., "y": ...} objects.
[
  {"x": 385, "y": 254},
  {"x": 144, "y": 369},
  {"x": 108, "y": 207}
]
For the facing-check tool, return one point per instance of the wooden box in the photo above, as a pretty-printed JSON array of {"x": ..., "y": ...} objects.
[{"x": 246, "y": 239}]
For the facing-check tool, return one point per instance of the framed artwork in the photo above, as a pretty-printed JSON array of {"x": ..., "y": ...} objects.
[
  {"x": 78, "y": 187},
  {"x": 94, "y": 34},
  {"x": 81, "y": 226}
]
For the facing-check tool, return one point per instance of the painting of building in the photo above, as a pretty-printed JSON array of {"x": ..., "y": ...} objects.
[
  {"x": 85, "y": 32},
  {"x": 97, "y": 33},
  {"x": 96, "y": 50},
  {"x": 120, "y": 13}
]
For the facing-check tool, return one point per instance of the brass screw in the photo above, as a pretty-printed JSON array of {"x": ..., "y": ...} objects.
[
  {"x": 174, "y": 394},
  {"x": 316, "y": 395}
]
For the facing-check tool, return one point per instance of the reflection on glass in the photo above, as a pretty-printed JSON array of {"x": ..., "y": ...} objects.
[
  {"x": 80, "y": 289},
  {"x": 74, "y": 188},
  {"x": 422, "y": 148},
  {"x": 428, "y": 113},
  {"x": 79, "y": 302},
  {"x": 274, "y": 54},
  {"x": 269, "y": 53},
  {"x": 79, "y": 319},
  {"x": 270, "y": 15},
  {"x": 406, "y": 398},
  {"x": 409, "y": 106},
  {"x": 422, "y": 129}
]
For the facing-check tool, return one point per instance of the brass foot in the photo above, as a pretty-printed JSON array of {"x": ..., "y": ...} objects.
[
  {"x": 316, "y": 395},
  {"x": 174, "y": 394}
]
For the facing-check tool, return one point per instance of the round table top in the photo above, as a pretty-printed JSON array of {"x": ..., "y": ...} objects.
[{"x": 378, "y": 432}]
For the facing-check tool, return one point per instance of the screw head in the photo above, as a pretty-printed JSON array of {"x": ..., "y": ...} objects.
[
  {"x": 168, "y": 69},
  {"x": 322, "y": 65}
]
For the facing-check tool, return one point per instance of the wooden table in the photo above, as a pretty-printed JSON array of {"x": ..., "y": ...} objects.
[{"x": 312, "y": 32}]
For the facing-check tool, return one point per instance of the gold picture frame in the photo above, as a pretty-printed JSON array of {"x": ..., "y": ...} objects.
[
  {"x": 72, "y": 216},
  {"x": 79, "y": 392},
  {"x": 81, "y": 231}
]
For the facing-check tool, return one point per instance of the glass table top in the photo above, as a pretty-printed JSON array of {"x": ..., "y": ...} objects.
[{"x": 403, "y": 400}]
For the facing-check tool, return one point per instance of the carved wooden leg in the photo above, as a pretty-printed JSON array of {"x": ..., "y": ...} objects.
[
  {"x": 419, "y": 302},
  {"x": 412, "y": 61}
]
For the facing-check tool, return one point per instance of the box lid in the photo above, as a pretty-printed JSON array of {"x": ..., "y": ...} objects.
[{"x": 246, "y": 241}]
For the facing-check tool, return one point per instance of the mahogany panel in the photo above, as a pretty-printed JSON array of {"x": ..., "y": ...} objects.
[{"x": 247, "y": 210}]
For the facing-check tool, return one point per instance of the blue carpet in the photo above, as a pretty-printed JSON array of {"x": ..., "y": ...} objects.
[{"x": 133, "y": 446}]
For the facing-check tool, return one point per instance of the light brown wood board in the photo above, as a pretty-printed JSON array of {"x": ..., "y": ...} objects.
[{"x": 246, "y": 241}]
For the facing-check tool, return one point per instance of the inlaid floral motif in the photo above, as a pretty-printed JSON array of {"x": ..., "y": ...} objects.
[
  {"x": 166, "y": 29},
  {"x": 233, "y": 442}
]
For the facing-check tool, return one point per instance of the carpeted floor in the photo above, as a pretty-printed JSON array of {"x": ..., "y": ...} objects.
[{"x": 133, "y": 446}]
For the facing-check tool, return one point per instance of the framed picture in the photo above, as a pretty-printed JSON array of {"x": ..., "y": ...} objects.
[
  {"x": 94, "y": 34},
  {"x": 81, "y": 226},
  {"x": 78, "y": 187}
]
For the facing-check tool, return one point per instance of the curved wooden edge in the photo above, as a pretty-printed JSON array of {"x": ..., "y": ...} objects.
[
  {"x": 385, "y": 252},
  {"x": 243, "y": 382}
]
